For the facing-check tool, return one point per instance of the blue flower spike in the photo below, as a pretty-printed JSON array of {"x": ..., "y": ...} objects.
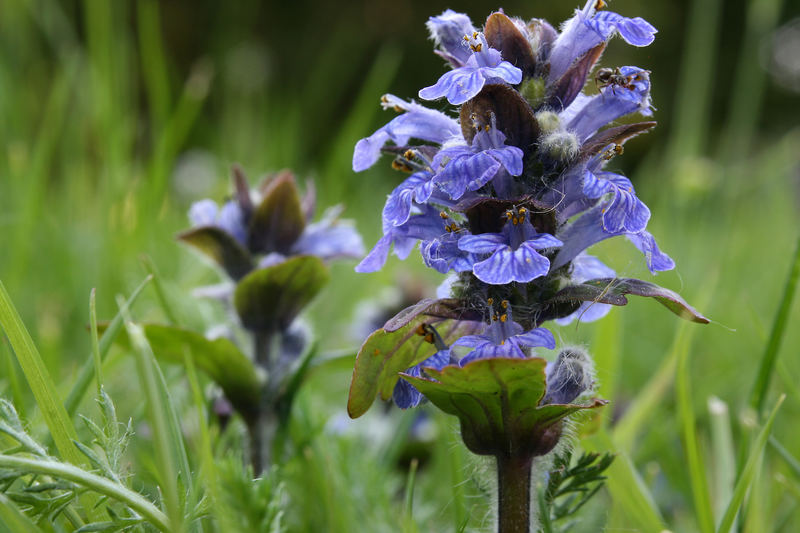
[{"x": 505, "y": 200}]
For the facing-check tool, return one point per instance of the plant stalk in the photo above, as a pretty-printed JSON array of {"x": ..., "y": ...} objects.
[
  {"x": 514, "y": 493},
  {"x": 262, "y": 429}
]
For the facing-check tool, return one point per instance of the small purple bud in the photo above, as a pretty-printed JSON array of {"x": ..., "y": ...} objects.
[{"x": 568, "y": 377}]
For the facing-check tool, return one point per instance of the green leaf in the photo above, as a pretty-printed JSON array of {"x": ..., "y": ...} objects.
[
  {"x": 628, "y": 491},
  {"x": 770, "y": 356},
  {"x": 41, "y": 383},
  {"x": 220, "y": 359},
  {"x": 497, "y": 402},
  {"x": 221, "y": 247},
  {"x": 109, "y": 333},
  {"x": 270, "y": 298},
  {"x": 278, "y": 220},
  {"x": 749, "y": 471},
  {"x": 613, "y": 290},
  {"x": 12, "y": 520},
  {"x": 385, "y": 353},
  {"x": 694, "y": 457}
]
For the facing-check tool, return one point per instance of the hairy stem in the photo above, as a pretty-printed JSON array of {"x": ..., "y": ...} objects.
[
  {"x": 262, "y": 429},
  {"x": 514, "y": 493}
]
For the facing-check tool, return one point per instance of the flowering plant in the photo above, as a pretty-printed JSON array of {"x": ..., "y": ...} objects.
[{"x": 506, "y": 198}]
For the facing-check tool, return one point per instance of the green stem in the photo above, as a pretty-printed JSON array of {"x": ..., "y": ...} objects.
[
  {"x": 263, "y": 428},
  {"x": 93, "y": 482},
  {"x": 514, "y": 493}
]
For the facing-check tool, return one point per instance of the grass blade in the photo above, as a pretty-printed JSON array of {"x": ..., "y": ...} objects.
[
  {"x": 749, "y": 471},
  {"x": 98, "y": 361},
  {"x": 158, "y": 415},
  {"x": 770, "y": 356},
  {"x": 44, "y": 389},
  {"x": 626, "y": 486},
  {"x": 12, "y": 520},
  {"x": 39, "y": 379},
  {"x": 724, "y": 456},
  {"x": 694, "y": 457},
  {"x": 87, "y": 371}
]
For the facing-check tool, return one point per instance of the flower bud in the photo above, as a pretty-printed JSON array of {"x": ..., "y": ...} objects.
[
  {"x": 548, "y": 121},
  {"x": 560, "y": 145},
  {"x": 570, "y": 376}
]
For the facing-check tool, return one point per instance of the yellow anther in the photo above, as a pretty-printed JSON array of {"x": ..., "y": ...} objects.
[
  {"x": 522, "y": 210},
  {"x": 409, "y": 154},
  {"x": 487, "y": 127},
  {"x": 600, "y": 4},
  {"x": 443, "y": 214},
  {"x": 401, "y": 165},
  {"x": 421, "y": 331},
  {"x": 503, "y": 317},
  {"x": 466, "y": 37},
  {"x": 490, "y": 301},
  {"x": 509, "y": 214},
  {"x": 398, "y": 109},
  {"x": 475, "y": 35},
  {"x": 477, "y": 47},
  {"x": 384, "y": 99},
  {"x": 504, "y": 304},
  {"x": 448, "y": 229}
]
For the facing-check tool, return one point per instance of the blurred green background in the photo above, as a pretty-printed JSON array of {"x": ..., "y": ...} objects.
[{"x": 116, "y": 115}]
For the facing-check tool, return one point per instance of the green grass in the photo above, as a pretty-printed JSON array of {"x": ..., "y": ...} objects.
[{"x": 97, "y": 114}]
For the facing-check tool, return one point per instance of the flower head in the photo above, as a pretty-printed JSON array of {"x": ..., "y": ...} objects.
[{"x": 484, "y": 65}]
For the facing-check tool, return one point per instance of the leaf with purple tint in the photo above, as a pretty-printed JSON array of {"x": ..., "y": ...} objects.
[
  {"x": 270, "y": 298},
  {"x": 386, "y": 353},
  {"x": 503, "y": 35},
  {"x": 567, "y": 87},
  {"x": 612, "y": 291},
  {"x": 221, "y": 247},
  {"x": 513, "y": 115},
  {"x": 278, "y": 220}
]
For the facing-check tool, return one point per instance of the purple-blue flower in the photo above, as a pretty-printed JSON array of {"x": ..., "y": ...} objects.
[
  {"x": 588, "y": 229},
  {"x": 625, "y": 213},
  {"x": 503, "y": 338},
  {"x": 425, "y": 224},
  {"x": 485, "y": 65},
  {"x": 405, "y": 395},
  {"x": 462, "y": 168},
  {"x": 587, "y": 114},
  {"x": 330, "y": 238},
  {"x": 230, "y": 218},
  {"x": 448, "y": 31},
  {"x": 514, "y": 255},
  {"x": 588, "y": 28},
  {"x": 584, "y": 268},
  {"x": 415, "y": 121}
]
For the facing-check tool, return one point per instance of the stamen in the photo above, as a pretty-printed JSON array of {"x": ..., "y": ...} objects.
[
  {"x": 421, "y": 331},
  {"x": 403, "y": 166},
  {"x": 600, "y": 4},
  {"x": 503, "y": 317},
  {"x": 504, "y": 304},
  {"x": 443, "y": 215},
  {"x": 409, "y": 154},
  {"x": 429, "y": 338},
  {"x": 490, "y": 301}
]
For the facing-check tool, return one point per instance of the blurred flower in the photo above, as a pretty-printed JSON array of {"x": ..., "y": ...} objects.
[{"x": 263, "y": 227}]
